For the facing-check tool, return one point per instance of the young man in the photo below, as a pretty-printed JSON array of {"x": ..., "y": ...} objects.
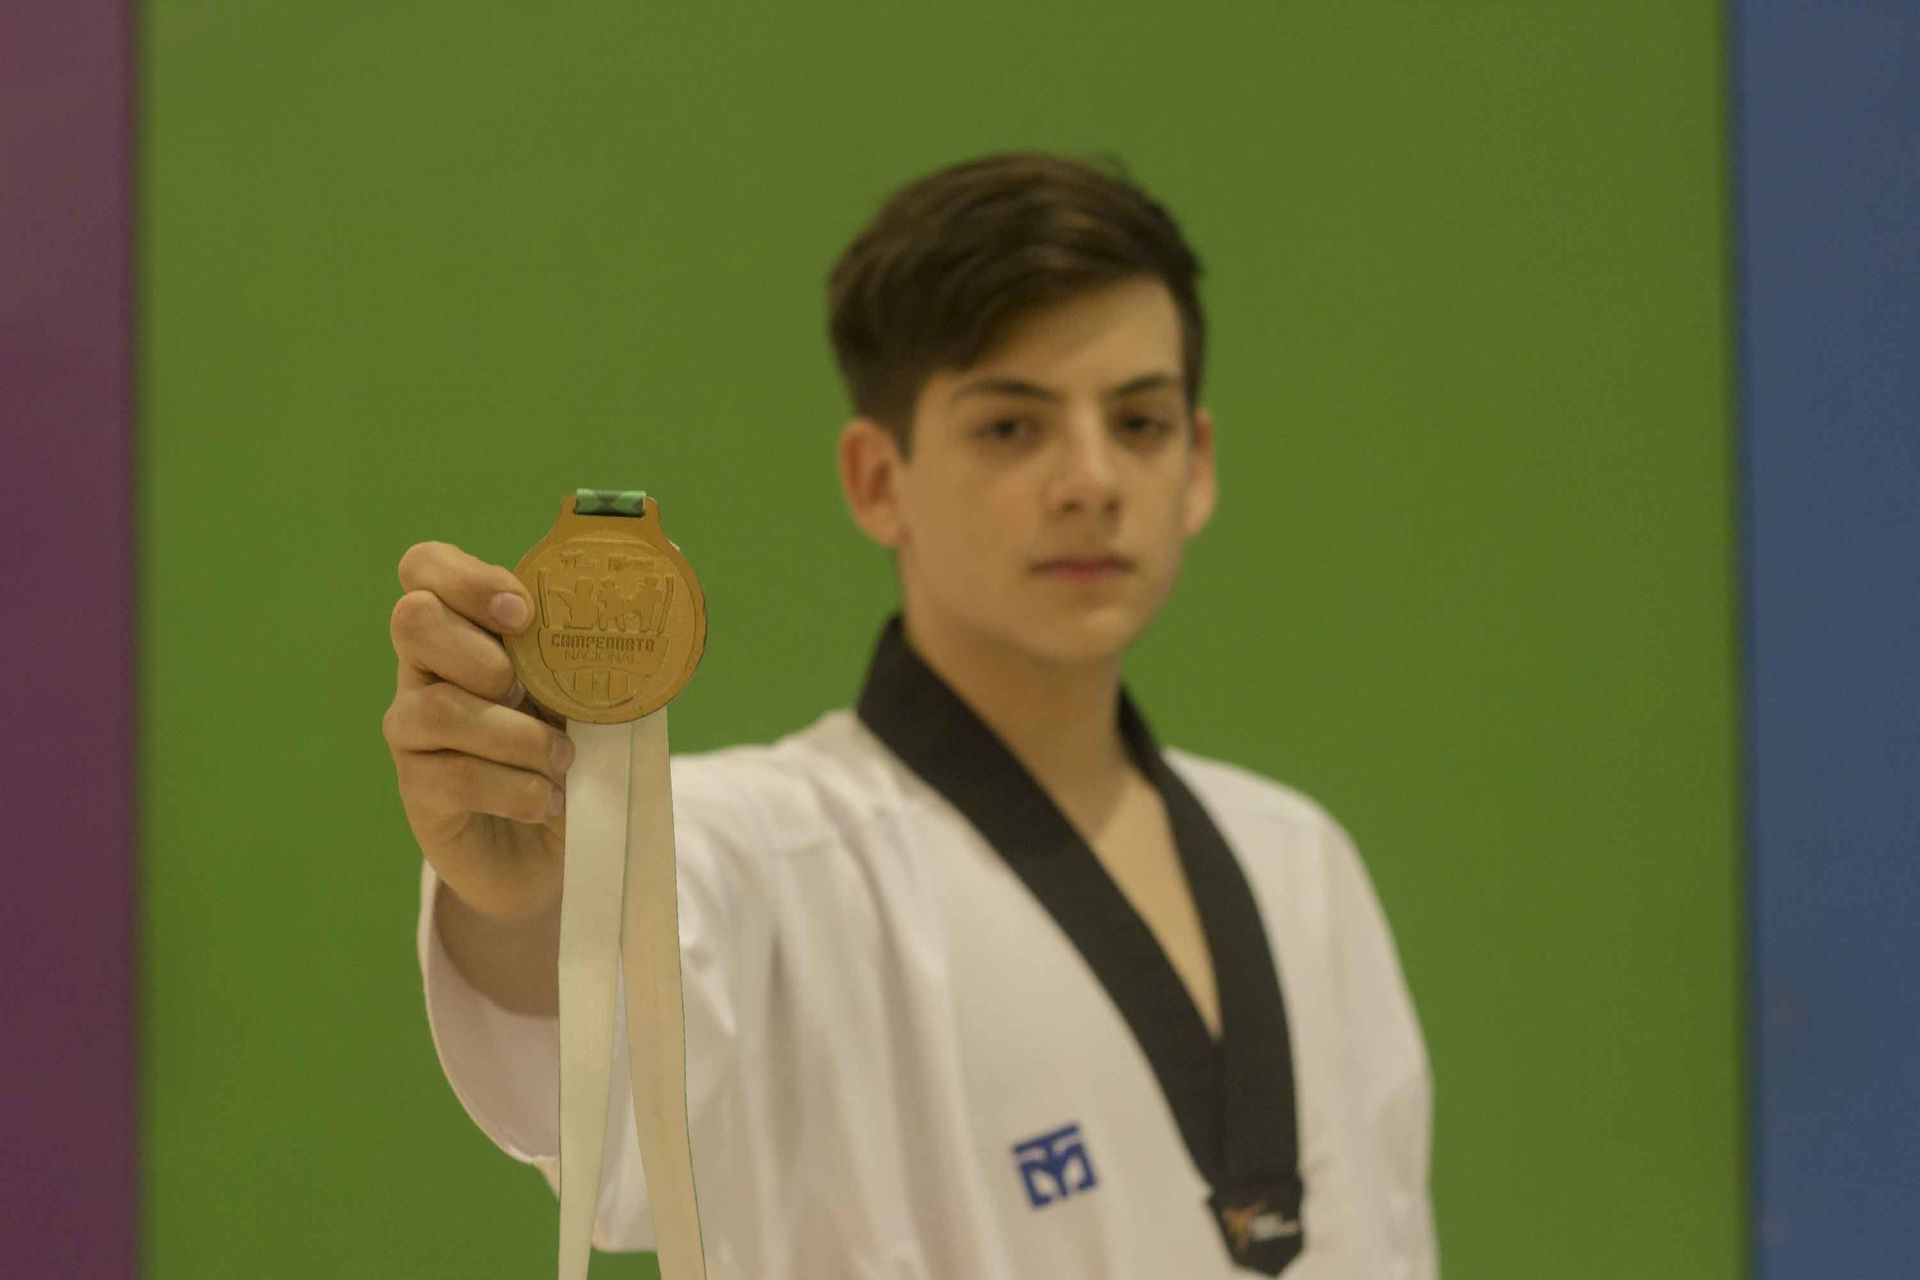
[{"x": 980, "y": 982}]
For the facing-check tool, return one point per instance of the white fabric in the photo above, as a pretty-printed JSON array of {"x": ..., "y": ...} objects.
[
  {"x": 877, "y": 1012},
  {"x": 619, "y": 883},
  {"x": 595, "y": 878}
]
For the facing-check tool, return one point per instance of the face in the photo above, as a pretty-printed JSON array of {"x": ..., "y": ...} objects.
[{"x": 1069, "y": 441}]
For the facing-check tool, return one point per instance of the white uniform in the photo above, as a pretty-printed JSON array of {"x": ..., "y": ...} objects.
[{"x": 929, "y": 1039}]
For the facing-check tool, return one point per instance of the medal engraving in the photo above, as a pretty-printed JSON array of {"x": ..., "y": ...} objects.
[{"x": 619, "y": 619}]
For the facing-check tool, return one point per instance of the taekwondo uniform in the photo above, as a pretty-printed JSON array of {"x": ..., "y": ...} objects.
[{"x": 928, "y": 1038}]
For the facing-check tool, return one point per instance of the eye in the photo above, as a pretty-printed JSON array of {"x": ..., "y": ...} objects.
[
  {"x": 1003, "y": 429},
  {"x": 1153, "y": 426}
]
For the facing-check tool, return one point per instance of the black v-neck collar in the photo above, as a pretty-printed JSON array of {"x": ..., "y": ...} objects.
[{"x": 1233, "y": 1099}]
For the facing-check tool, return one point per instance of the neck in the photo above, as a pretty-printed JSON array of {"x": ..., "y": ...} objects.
[{"x": 1059, "y": 719}]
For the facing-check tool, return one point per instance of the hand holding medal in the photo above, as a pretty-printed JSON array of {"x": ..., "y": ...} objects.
[{"x": 619, "y": 626}]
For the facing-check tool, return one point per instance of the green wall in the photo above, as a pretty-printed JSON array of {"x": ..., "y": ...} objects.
[{"x": 412, "y": 271}]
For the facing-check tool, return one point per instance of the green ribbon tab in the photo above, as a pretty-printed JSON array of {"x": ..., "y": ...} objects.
[{"x": 610, "y": 502}]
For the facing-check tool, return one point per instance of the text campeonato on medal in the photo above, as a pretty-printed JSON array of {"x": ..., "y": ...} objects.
[{"x": 604, "y": 644}]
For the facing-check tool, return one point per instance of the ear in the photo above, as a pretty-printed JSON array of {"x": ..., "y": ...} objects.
[
  {"x": 1202, "y": 483},
  {"x": 870, "y": 466}
]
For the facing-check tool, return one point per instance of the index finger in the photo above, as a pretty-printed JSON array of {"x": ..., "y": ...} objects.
[{"x": 485, "y": 594}]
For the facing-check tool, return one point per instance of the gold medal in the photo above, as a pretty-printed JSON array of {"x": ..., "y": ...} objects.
[{"x": 619, "y": 619}]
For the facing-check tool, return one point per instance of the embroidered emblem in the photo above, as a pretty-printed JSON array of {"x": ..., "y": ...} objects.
[
  {"x": 1261, "y": 1225},
  {"x": 1256, "y": 1223},
  {"x": 1054, "y": 1165}
]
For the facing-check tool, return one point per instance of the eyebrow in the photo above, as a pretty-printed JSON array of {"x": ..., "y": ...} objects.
[{"x": 1017, "y": 387}]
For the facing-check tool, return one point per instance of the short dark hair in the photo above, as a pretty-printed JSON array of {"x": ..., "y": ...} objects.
[{"x": 951, "y": 260}]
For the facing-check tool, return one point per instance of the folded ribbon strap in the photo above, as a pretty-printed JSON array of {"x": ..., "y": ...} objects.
[{"x": 619, "y": 626}]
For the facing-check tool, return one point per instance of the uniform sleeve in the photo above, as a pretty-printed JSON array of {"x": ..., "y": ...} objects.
[
  {"x": 1383, "y": 1051},
  {"x": 504, "y": 1066}
]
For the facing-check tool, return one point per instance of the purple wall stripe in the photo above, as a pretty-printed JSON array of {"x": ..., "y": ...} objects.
[{"x": 68, "y": 1089}]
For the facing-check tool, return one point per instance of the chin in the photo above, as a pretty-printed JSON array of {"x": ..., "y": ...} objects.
[
  {"x": 1076, "y": 634},
  {"x": 1044, "y": 623}
]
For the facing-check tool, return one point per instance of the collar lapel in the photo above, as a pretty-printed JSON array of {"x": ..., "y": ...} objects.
[{"x": 1233, "y": 1100}]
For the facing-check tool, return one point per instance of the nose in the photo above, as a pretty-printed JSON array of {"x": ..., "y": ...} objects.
[{"x": 1086, "y": 474}]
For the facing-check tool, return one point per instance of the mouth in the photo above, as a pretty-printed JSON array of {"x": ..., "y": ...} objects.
[{"x": 1085, "y": 569}]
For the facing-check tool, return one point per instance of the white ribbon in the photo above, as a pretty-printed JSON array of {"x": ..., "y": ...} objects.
[{"x": 619, "y": 910}]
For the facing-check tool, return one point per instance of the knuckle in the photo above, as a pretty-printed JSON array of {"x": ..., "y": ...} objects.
[
  {"x": 413, "y": 615},
  {"x": 421, "y": 555},
  {"x": 409, "y": 724},
  {"x": 439, "y": 707},
  {"x": 413, "y": 560}
]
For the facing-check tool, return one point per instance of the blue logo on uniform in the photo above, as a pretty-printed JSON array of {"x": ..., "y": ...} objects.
[{"x": 1054, "y": 1165}]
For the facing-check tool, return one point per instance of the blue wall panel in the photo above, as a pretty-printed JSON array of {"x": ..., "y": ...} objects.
[{"x": 1827, "y": 154}]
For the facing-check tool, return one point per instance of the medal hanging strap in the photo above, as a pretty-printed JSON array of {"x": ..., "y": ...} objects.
[
  {"x": 620, "y": 906},
  {"x": 592, "y": 882},
  {"x": 656, "y": 1026}
]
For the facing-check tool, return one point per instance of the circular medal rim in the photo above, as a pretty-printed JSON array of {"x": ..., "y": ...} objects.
[{"x": 522, "y": 648}]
